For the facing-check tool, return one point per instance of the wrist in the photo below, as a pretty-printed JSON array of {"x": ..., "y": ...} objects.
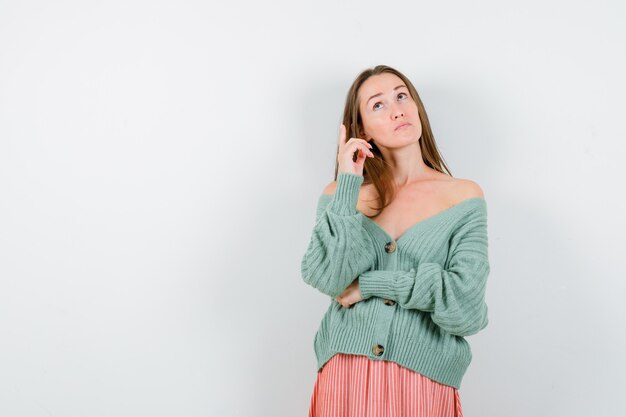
[{"x": 346, "y": 193}]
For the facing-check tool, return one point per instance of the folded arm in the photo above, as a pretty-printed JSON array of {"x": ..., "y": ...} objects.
[{"x": 454, "y": 296}]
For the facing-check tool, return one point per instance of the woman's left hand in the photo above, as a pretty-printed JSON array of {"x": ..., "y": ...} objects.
[{"x": 350, "y": 295}]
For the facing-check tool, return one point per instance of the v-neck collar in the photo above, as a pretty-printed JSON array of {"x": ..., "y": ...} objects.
[{"x": 438, "y": 216}]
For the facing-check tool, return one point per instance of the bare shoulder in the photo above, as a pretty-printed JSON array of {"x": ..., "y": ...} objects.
[
  {"x": 367, "y": 193},
  {"x": 465, "y": 188},
  {"x": 330, "y": 188}
]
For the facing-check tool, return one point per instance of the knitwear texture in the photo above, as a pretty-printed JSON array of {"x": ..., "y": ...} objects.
[{"x": 435, "y": 277}]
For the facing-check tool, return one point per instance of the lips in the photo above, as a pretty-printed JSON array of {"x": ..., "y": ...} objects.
[{"x": 403, "y": 125}]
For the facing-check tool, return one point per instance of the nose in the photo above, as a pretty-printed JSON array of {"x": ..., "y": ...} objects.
[{"x": 397, "y": 112}]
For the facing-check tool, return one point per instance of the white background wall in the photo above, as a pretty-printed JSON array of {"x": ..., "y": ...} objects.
[{"x": 160, "y": 162}]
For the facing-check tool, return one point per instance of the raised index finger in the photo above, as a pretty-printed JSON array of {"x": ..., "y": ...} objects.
[{"x": 342, "y": 136}]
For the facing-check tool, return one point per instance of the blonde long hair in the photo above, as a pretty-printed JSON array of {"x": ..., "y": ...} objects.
[{"x": 376, "y": 170}]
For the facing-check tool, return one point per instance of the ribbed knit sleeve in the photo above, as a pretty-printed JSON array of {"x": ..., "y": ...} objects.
[
  {"x": 340, "y": 248},
  {"x": 455, "y": 296}
]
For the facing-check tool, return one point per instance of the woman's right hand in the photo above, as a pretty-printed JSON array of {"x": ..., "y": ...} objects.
[{"x": 345, "y": 157}]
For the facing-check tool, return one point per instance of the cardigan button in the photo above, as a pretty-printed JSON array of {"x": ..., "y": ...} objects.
[
  {"x": 389, "y": 302},
  {"x": 390, "y": 247},
  {"x": 378, "y": 349}
]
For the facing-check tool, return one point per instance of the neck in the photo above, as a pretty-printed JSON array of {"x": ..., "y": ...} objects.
[{"x": 407, "y": 164}]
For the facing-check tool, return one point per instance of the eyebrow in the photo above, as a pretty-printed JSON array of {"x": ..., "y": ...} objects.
[{"x": 379, "y": 94}]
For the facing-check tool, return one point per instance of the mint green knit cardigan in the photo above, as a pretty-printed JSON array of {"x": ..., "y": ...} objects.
[{"x": 422, "y": 293}]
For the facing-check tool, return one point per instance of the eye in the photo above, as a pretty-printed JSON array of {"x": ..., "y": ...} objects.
[{"x": 400, "y": 94}]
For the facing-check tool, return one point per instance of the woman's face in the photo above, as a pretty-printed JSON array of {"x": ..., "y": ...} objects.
[{"x": 389, "y": 114}]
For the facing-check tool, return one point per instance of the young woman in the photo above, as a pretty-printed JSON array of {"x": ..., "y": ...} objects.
[{"x": 400, "y": 247}]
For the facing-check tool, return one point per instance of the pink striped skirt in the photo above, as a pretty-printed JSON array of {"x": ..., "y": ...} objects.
[{"x": 357, "y": 386}]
